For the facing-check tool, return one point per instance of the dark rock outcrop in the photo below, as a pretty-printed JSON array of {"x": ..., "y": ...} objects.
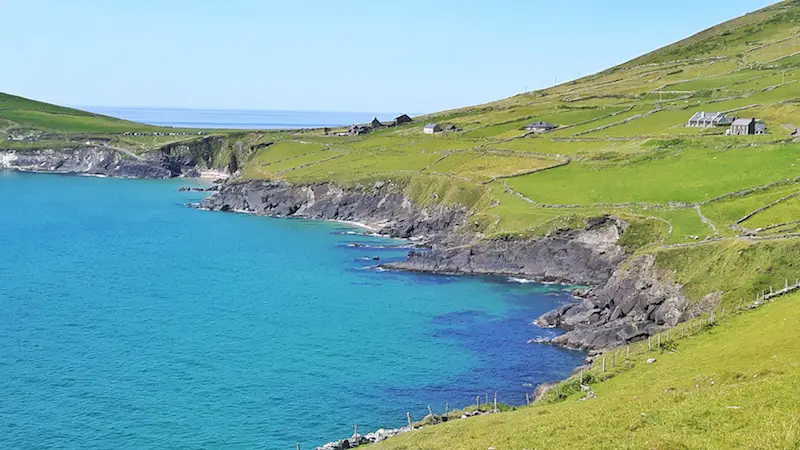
[
  {"x": 636, "y": 302},
  {"x": 82, "y": 160},
  {"x": 188, "y": 158},
  {"x": 380, "y": 205},
  {"x": 583, "y": 257},
  {"x": 183, "y": 159}
]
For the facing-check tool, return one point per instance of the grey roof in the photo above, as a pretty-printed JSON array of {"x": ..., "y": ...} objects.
[
  {"x": 743, "y": 121},
  {"x": 541, "y": 125},
  {"x": 761, "y": 126},
  {"x": 714, "y": 117},
  {"x": 432, "y": 125}
]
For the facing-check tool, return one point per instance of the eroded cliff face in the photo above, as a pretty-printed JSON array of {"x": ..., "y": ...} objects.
[
  {"x": 637, "y": 301},
  {"x": 380, "y": 205},
  {"x": 186, "y": 159},
  {"x": 82, "y": 160},
  {"x": 579, "y": 256}
]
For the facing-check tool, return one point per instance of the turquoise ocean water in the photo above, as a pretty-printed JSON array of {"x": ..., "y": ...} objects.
[{"x": 128, "y": 320}]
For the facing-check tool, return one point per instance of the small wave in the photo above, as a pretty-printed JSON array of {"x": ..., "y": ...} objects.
[{"x": 521, "y": 280}]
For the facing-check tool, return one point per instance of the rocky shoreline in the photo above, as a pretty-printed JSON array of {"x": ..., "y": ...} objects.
[
  {"x": 629, "y": 299},
  {"x": 187, "y": 159}
]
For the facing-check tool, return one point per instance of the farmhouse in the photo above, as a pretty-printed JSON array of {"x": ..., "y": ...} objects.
[
  {"x": 432, "y": 128},
  {"x": 400, "y": 120},
  {"x": 376, "y": 123},
  {"x": 703, "y": 119},
  {"x": 540, "y": 127},
  {"x": 741, "y": 127}
]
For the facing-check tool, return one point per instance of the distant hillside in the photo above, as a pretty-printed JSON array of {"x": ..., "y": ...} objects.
[{"x": 25, "y": 113}]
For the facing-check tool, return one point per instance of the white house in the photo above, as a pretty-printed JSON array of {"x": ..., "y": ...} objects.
[
  {"x": 432, "y": 128},
  {"x": 540, "y": 127}
]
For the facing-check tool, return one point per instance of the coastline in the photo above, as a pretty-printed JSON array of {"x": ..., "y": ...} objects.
[{"x": 384, "y": 211}]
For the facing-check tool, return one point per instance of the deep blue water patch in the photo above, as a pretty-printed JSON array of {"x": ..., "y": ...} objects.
[{"x": 131, "y": 321}]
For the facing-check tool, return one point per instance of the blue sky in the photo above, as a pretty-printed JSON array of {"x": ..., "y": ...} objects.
[{"x": 409, "y": 55}]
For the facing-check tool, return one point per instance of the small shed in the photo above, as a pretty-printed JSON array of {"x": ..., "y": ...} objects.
[
  {"x": 761, "y": 128},
  {"x": 376, "y": 123},
  {"x": 742, "y": 127},
  {"x": 540, "y": 127},
  {"x": 432, "y": 128},
  {"x": 400, "y": 120},
  {"x": 450, "y": 128}
]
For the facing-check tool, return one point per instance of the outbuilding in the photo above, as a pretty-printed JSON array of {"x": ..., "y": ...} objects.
[{"x": 432, "y": 128}]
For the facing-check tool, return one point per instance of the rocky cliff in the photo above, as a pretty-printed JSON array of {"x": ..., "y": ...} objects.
[
  {"x": 629, "y": 301},
  {"x": 82, "y": 160},
  {"x": 586, "y": 256},
  {"x": 174, "y": 160},
  {"x": 380, "y": 205},
  {"x": 637, "y": 301}
]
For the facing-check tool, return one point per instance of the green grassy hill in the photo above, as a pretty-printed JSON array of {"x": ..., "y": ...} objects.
[{"x": 31, "y": 114}]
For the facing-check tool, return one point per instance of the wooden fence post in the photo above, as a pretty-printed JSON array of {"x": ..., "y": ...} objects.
[
  {"x": 495, "y": 402},
  {"x": 649, "y": 343},
  {"x": 527, "y": 399},
  {"x": 627, "y": 352}
]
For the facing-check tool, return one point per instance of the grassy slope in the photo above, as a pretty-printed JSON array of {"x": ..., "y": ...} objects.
[
  {"x": 61, "y": 127},
  {"x": 51, "y": 118},
  {"x": 729, "y": 387}
]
